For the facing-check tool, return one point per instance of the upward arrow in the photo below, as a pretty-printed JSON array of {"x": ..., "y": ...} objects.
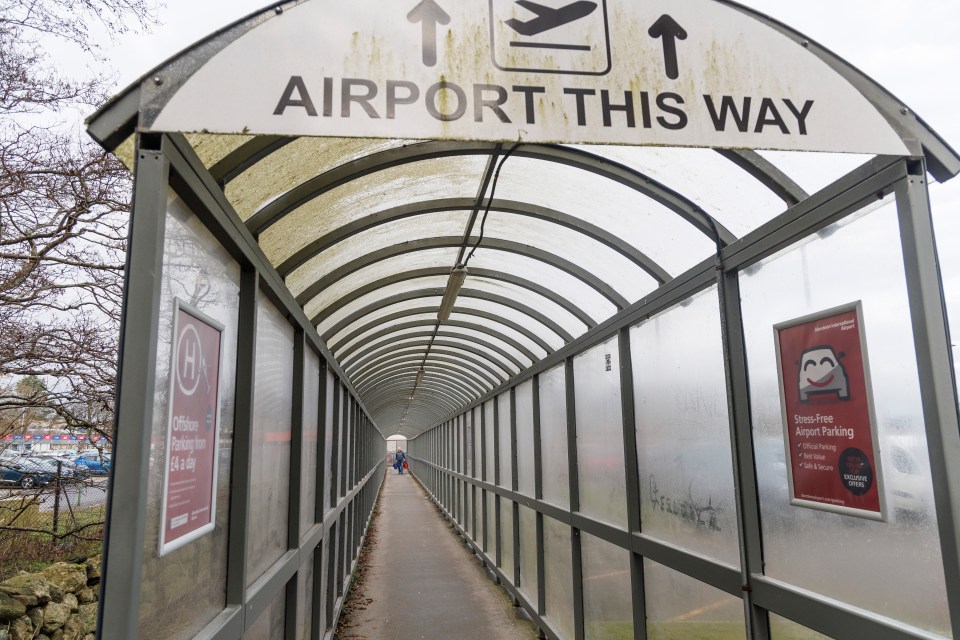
[
  {"x": 668, "y": 29},
  {"x": 429, "y": 14}
]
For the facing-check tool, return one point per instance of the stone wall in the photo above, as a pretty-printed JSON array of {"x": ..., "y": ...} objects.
[{"x": 57, "y": 603}]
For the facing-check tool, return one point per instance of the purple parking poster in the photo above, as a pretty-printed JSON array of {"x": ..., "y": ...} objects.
[
  {"x": 193, "y": 426},
  {"x": 827, "y": 404}
]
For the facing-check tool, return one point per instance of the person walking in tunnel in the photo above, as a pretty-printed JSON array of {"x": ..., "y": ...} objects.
[{"x": 401, "y": 461}]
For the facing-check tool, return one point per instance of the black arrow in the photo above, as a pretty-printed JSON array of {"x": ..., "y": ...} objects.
[
  {"x": 668, "y": 29},
  {"x": 429, "y": 14}
]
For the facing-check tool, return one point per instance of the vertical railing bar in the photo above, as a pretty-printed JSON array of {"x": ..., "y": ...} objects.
[{"x": 935, "y": 366}]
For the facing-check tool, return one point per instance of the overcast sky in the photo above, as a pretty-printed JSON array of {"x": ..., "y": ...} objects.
[{"x": 911, "y": 48}]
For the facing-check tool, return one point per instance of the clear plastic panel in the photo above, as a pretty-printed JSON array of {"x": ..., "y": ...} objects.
[
  {"x": 573, "y": 289},
  {"x": 441, "y": 225},
  {"x": 554, "y": 454},
  {"x": 505, "y": 441},
  {"x": 603, "y": 493},
  {"x": 680, "y": 607},
  {"x": 784, "y": 629},
  {"x": 328, "y": 467},
  {"x": 367, "y": 195},
  {"x": 609, "y": 205},
  {"x": 687, "y": 495},
  {"x": 271, "y": 623},
  {"x": 478, "y": 453},
  {"x": 458, "y": 341},
  {"x": 311, "y": 427},
  {"x": 190, "y": 582},
  {"x": 415, "y": 354},
  {"x": 814, "y": 170},
  {"x": 607, "y": 264},
  {"x": 607, "y": 600},
  {"x": 467, "y": 419},
  {"x": 211, "y": 148},
  {"x": 270, "y": 461},
  {"x": 892, "y": 568},
  {"x": 488, "y": 448},
  {"x": 523, "y": 398},
  {"x": 295, "y": 163},
  {"x": 506, "y": 537},
  {"x": 305, "y": 605},
  {"x": 718, "y": 186},
  {"x": 528, "y": 553},
  {"x": 558, "y": 577},
  {"x": 490, "y": 540},
  {"x": 505, "y": 331}
]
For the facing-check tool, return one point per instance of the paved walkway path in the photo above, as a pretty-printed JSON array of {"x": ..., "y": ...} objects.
[{"x": 419, "y": 581}]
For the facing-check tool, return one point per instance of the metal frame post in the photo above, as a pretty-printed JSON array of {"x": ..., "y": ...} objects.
[
  {"x": 938, "y": 390},
  {"x": 632, "y": 475},
  {"x": 118, "y": 614},
  {"x": 538, "y": 494},
  {"x": 576, "y": 555},
  {"x": 295, "y": 477}
]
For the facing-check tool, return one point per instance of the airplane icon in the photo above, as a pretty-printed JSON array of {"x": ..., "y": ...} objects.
[{"x": 548, "y": 18}]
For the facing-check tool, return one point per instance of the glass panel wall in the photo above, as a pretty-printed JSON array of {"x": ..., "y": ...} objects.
[
  {"x": 553, "y": 437},
  {"x": 827, "y": 553},
  {"x": 680, "y": 607},
  {"x": 683, "y": 435},
  {"x": 190, "y": 582},
  {"x": 600, "y": 433},
  {"x": 607, "y": 604},
  {"x": 270, "y": 463}
]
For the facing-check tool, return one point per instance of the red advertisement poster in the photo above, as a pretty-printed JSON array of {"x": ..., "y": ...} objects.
[
  {"x": 193, "y": 427},
  {"x": 832, "y": 458}
]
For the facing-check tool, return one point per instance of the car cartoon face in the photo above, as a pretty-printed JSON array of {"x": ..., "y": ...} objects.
[{"x": 822, "y": 373}]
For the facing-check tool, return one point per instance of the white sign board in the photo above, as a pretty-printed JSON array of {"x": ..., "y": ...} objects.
[{"x": 641, "y": 72}]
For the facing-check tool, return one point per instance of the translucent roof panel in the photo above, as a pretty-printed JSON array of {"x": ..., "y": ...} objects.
[
  {"x": 211, "y": 148},
  {"x": 465, "y": 343},
  {"x": 560, "y": 282},
  {"x": 414, "y": 284},
  {"x": 450, "y": 224},
  {"x": 665, "y": 237},
  {"x": 401, "y": 351},
  {"x": 606, "y": 264},
  {"x": 575, "y": 329},
  {"x": 814, "y": 171},
  {"x": 294, "y": 163},
  {"x": 435, "y": 260},
  {"x": 420, "y": 318},
  {"x": 397, "y": 307},
  {"x": 369, "y": 194},
  {"x": 712, "y": 182}
]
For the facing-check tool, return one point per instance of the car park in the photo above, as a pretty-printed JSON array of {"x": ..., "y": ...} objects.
[{"x": 67, "y": 469}]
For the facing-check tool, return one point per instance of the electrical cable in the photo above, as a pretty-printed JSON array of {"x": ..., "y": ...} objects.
[{"x": 486, "y": 211}]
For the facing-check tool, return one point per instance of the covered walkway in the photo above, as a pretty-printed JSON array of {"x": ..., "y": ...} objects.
[
  {"x": 420, "y": 582},
  {"x": 614, "y": 274}
]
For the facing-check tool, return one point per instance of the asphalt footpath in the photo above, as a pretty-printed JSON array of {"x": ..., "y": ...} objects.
[{"x": 419, "y": 581}]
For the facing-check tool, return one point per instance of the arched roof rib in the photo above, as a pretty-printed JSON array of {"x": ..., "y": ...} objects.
[
  {"x": 475, "y": 273},
  {"x": 406, "y": 326},
  {"x": 455, "y": 347},
  {"x": 456, "y": 388},
  {"x": 318, "y": 185},
  {"x": 413, "y": 209},
  {"x": 491, "y": 347},
  {"x": 528, "y": 311},
  {"x": 403, "y": 372},
  {"x": 559, "y": 262},
  {"x": 472, "y": 375},
  {"x": 473, "y": 313},
  {"x": 482, "y": 369}
]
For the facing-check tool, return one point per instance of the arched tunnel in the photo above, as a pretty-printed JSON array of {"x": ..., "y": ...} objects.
[{"x": 591, "y": 336}]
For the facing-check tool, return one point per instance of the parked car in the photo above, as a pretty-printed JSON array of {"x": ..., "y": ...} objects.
[
  {"x": 68, "y": 470},
  {"x": 94, "y": 462},
  {"x": 23, "y": 473}
]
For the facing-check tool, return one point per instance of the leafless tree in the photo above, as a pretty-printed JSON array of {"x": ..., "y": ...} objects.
[{"x": 63, "y": 213}]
